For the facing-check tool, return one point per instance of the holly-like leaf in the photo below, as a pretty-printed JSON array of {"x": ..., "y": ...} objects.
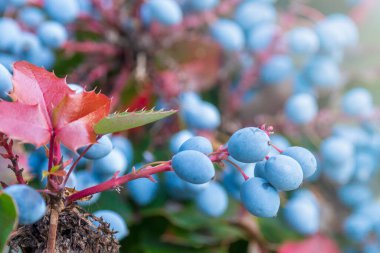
[
  {"x": 8, "y": 218},
  {"x": 314, "y": 244},
  {"x": 44, "y": 104},
  {"x": 118, "y": 122}
]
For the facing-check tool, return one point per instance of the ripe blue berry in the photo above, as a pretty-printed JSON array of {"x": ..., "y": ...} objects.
[
  {"x": 249, "y": 145},
  {"x": 52, "y": 34},
  {"x": 264, "y": 13},
  {"x": 283, "y": 172},
  {"x": 98, "y": 150},
  {"x": 178, "y": 139},
  {"x": 30, "y": 204},
  {"x": 180, "y": 189},
  {"x": 228, "y": 35},
  {"x": 106, "y": 167},
  {"x": 336, "y": 150},
  {"x": 303, "y": 41},
  {"x": 193, "y": 166},
  {"x": 355, "y": 194},
  {"x": 305, "y": 158},
  {"x": 5, "y": 82},
  {"x": 302, "y": 214},
  {"x": 62, "y": 11},
  {"x": 260, "y": 169},
  {"x": 277, "y": 69},
  {"x": 116, "y": 222},
  {"x": 124, "y": 145},
  {"x": 301, "y": 108},
  {"x": 166, "y": 12},
  {"x": 357, "y": 227},
  {"x": 213, "y": 201},
  {"x": 357, "y": 102},
  {"x": 197, "y": 143},
  {"x": 260, "y": 198},
  {"x": 142, "y": 190}
]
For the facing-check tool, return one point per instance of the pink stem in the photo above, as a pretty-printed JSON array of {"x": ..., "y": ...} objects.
[
  {"x": 90, "y": 47},
  {"x": 239, "y": 169},
  {"x": 114, "y": 182},
  {"x": 51, "y": 151},
  {"x": 277, "y": 148}
]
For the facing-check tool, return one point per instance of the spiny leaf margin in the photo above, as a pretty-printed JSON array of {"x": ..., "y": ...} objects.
[{"x": 119, "y": 122}]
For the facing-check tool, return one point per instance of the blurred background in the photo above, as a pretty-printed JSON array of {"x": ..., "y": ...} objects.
[{"x": 307, "y": 70}]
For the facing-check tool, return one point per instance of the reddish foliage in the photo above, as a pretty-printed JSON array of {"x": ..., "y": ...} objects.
[
  {"x": 313, "y": 244},
  {"x": 44, "y": 104}
]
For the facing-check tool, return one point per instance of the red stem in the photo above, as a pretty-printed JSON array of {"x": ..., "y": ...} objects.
[
  {"x": 276, "y": 148},
  {"x": 239, "y": 169},
  {"x": 114, "y": 182},
  {"x": 8, "y": 146},
  {"x": 51, "y": 151}
]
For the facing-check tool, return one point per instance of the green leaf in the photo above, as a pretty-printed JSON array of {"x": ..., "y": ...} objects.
[
  {"x": 118, "y": 122},
  {"x": 8, "y": 218}
]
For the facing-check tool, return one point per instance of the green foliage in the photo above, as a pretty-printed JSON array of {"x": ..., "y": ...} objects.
[
  {"x": 118, "y": 122},
  {"x": 8, "y": 218}
]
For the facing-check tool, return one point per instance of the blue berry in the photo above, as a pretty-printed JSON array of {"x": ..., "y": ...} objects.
[
  {"x": 106, "y": 167},
  {"x": 302, "y": 215},
  {"x": 142, "y": 190},
  {"x": 62, "y": 11},
  {"x": 180, "y": 189},
  {"x": 304, "y": 157},
  {"x": 357, "y": 102},
  {"x": 303, "y": 41},
  {"x": 31, "y": 16},
  {"x": 85, "y": 180},
  {"x": 339, "y": 173},
  {"x": 5, "y": 82},
  {"x": 202, "y": 116},
  {"x": 301, "y": 108},
  {"x": 98, "y": 150},
  {"x": 197, "y": 143},
  {"x": 213, "y": 201},
  {"x": 203, "y": 5},
  {"x": 31, "y": 206},
  {"x": 249, "y": 14},
  {"x": 277, "y": 69},
  {"x": 260, "y": 38},
  {"x": 193, "y": 166},
  {"x": 260, "y": 169},
  {"x": 249, "y": 145},
  {"x": 283, "y": 172},
  {"x": 335, "y": 150},
  {"x": 166, "y": 12},
  {"x": 260, "y": 198},
  {"x": 354, "y": 194},
  {"x": 178, "y": 139},
  {"x": 116, "y": 222},
  {"x": 52, "y": 34},
  {"x": 357, "y": 227},
  {"x": 228, "y": 35},
  {"x": 124, "y": 145},
  {"x": 13, "y": 33},
  {"x": 323, "y": 72}
]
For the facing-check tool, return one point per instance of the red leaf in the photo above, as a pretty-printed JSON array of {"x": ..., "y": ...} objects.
[
  {"x": 74, "y": 118},
  {"x": 313, "y": 244},
  {"x": 45, "y": 104}
]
